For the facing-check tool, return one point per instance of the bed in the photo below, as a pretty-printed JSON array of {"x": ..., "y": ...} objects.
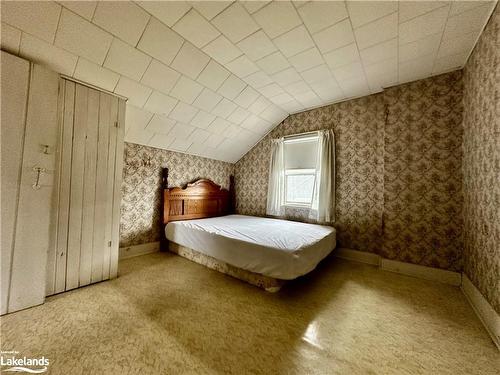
[{"x": 265, "y": 252}]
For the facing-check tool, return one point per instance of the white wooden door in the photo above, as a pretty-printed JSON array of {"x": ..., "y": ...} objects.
[
  {"x": 86, "y": 246},
  {"x": 29, "y": 151}
]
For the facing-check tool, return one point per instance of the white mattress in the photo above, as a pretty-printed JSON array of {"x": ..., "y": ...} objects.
[{"x": 276, "y": 248}]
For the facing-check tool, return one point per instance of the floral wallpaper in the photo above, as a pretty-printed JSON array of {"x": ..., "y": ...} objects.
[
  {"x": 481, "y": 167},
  {"x": 398, "y": 161},
  {"x": 140, "y": 220}
]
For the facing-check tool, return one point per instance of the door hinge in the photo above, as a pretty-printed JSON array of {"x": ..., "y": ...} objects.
[
  {"x": 109, "y": 243},
  {"x": 116, "y": 124}
]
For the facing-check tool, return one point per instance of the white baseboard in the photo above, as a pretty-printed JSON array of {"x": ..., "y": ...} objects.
[
  {"x": 358, "y": 256},
  {"x": 422, "y": 272},
  {"x": 488, "y": 316},
  {"x": 136, "y": 250}
]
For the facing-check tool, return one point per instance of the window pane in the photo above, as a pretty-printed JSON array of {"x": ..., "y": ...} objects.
[{"x": 299, "y": 188}]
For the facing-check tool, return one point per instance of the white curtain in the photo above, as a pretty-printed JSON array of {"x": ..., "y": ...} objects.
[
  {"x": 323, "y": 202},
  {"x": 276, "y": 188}
]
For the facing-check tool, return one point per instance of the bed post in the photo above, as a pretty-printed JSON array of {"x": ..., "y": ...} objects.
[
  {"x": 164, "y": 215},
  {"x": 232, "y": 196}
]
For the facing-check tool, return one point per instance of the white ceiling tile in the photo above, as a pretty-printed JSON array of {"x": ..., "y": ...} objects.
[
  {"x": 293, "y": 106},
  {"x": 209, "y": 9},
  {"x": 207, "y": 100},
  {"x": 214, "y": 140},
  {"x": 139, "y": 136},
  {"x": 235, "y": 23},
  {"x": 258, "y": 80},
  {"x": 126, "y": 60},
  {"x": 422, "y": 47},
  {"x": 183, "y": 112},
  {"x": 160, "y": 103},
  {"x": 458, "y": 7},
  {"x": 38, "y": 18},
  {"x": 197, "y": 149},
  {"x": 253, "y": 6},
  {"x": 222, "y": 50},
  {"x": 161, "y": 141},
  {"x": 422, "y": 26},
  {"x": 136, "y": 93},
  {"x": 247, "y": 97},
  {"x": 342, "y": 56},
  {"x": 202, "y": 119},
  {"x": 181, "y": 130},
  {"x": 294, "y": 41},
  {"x": 126, "y": 20},
  {"x": 382, "y": 74},
  {"x": 412, "y": 9},
  {"x": 213, "y": 75},
  {"x": 96, "y": 75},
  {"x": 160, "y": 42},
  {"x": 160, "y": 77},
  {"x": 80, "y": 37},
  {"x": 224, "y": 108},
  {"x": 199, "y": 136},
  {"x": 348, "y": 71},
  {"x": 308, "y": 99},
  {"x": 190, "y": 61},
  {"x": 461, "y": 44},
  {"x": 328, "y": 92},
  {"x": 467, "y": 22},
  {"x": 273, "y": 63},
  {"x": 218, "y": 126},
  {"x": 186, "y": 90},
  {"x": 136, "y": 118},
  {"x": 160, "y": 124},
  {"x": 10, "y": 39},
  {"x": 411, "y": 70},
  {"x": 180, "y": 144},
  {"x": 242, "y": 66},
  {"x": 232, "y": 132},
  {"x": 319, "y": 73},
  {"x": 271, "y": 90},
  {"x": 257, "y": 45},
  {"x": 168, "y": 12},
  {"x": 277, "y": 18},
  {"x": 43, "y": 53},
  {"x": 232, "y": 87},
  {"x": 307, "y": 59},
  {"x": 259, "y": 105},
  {"x": 196, "y": 29},
  {"x": 318, "y": 15},
  {"x": 273, "y": 114},
  {"x": 450, "y": 62},
  {"x": 85, "y": 9},
  {"x": 286, "y": 77},
  {"x": 297, "y": 88},
  {"x": 251, "y": 123},
  {"x": 282, "y": 99},
  {"x": 363, "y": 12},
  {"x": 239, "y": 115},
  {"x": 379, "y": 52},
  {"x": 334, "y": 37},
  {"x": 377, "y": 31},
  {"x": 355, "y": 87}
]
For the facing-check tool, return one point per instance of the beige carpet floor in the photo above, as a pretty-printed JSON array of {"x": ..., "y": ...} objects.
[{"x": 167, "y": 315}]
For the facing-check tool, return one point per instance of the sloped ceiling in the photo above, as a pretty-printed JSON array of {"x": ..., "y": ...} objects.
[{"x": 211, "y": 78}]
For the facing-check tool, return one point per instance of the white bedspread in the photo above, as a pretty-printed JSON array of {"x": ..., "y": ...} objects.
[{"x": 277, "y": 248}]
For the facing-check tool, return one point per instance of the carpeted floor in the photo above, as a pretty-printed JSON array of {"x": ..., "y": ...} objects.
[{"x": 167, "y": 315}]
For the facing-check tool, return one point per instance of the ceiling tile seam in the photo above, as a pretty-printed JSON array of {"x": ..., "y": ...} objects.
[
  {"x": 184, "y": 15},
  {"x": 143, "y": 31},
  {"x": 443, "y": 4},
  {"x": 374, "y": 20},
  {"x": 324, "y": 28},
  {"x": 441, "y": 39},
  {"x": 58, "y": 22},
  {"x": 321, "y": 53},
  {"x": 372, "y": 45}
]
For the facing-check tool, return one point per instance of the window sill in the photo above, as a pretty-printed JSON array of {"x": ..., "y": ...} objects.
[{"x": 297, "y": 205}]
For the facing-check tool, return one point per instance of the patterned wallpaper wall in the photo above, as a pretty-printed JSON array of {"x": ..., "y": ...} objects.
[
  {"x": 423, "y": 128},
  {"x": 481, "y": 145},
  {"x": 140, "y": 220}
]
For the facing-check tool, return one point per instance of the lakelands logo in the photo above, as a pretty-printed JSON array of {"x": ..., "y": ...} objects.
[{"x": 11, "y": 363}]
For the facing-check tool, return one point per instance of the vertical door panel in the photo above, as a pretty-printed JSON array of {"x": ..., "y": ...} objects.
[
  {"x": 76, "y": 192},
  {"x": 34, "y": 224},
  {"x": 89, "y": 187},
  {"x": 14, "y": 81}
]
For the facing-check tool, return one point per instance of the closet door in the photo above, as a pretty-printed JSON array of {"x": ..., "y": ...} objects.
[
  {"x": 90, "y": 167},
  {"x": 29, "y": 149}
]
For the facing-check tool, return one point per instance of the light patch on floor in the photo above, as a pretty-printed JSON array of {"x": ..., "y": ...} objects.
[{"x": 165, "y": 314}]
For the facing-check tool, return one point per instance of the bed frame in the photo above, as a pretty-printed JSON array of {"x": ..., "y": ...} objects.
[{"x": 200, "y": 199}]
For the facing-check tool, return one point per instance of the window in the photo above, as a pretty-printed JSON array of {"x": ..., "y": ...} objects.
[{"x": 300, "y": 155}]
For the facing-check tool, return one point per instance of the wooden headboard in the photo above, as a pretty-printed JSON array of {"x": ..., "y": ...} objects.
[{"x": 199, "y": 199}]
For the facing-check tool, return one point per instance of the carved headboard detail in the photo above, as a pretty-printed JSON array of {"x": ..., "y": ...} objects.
[{"x": 199, "y": 199}]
